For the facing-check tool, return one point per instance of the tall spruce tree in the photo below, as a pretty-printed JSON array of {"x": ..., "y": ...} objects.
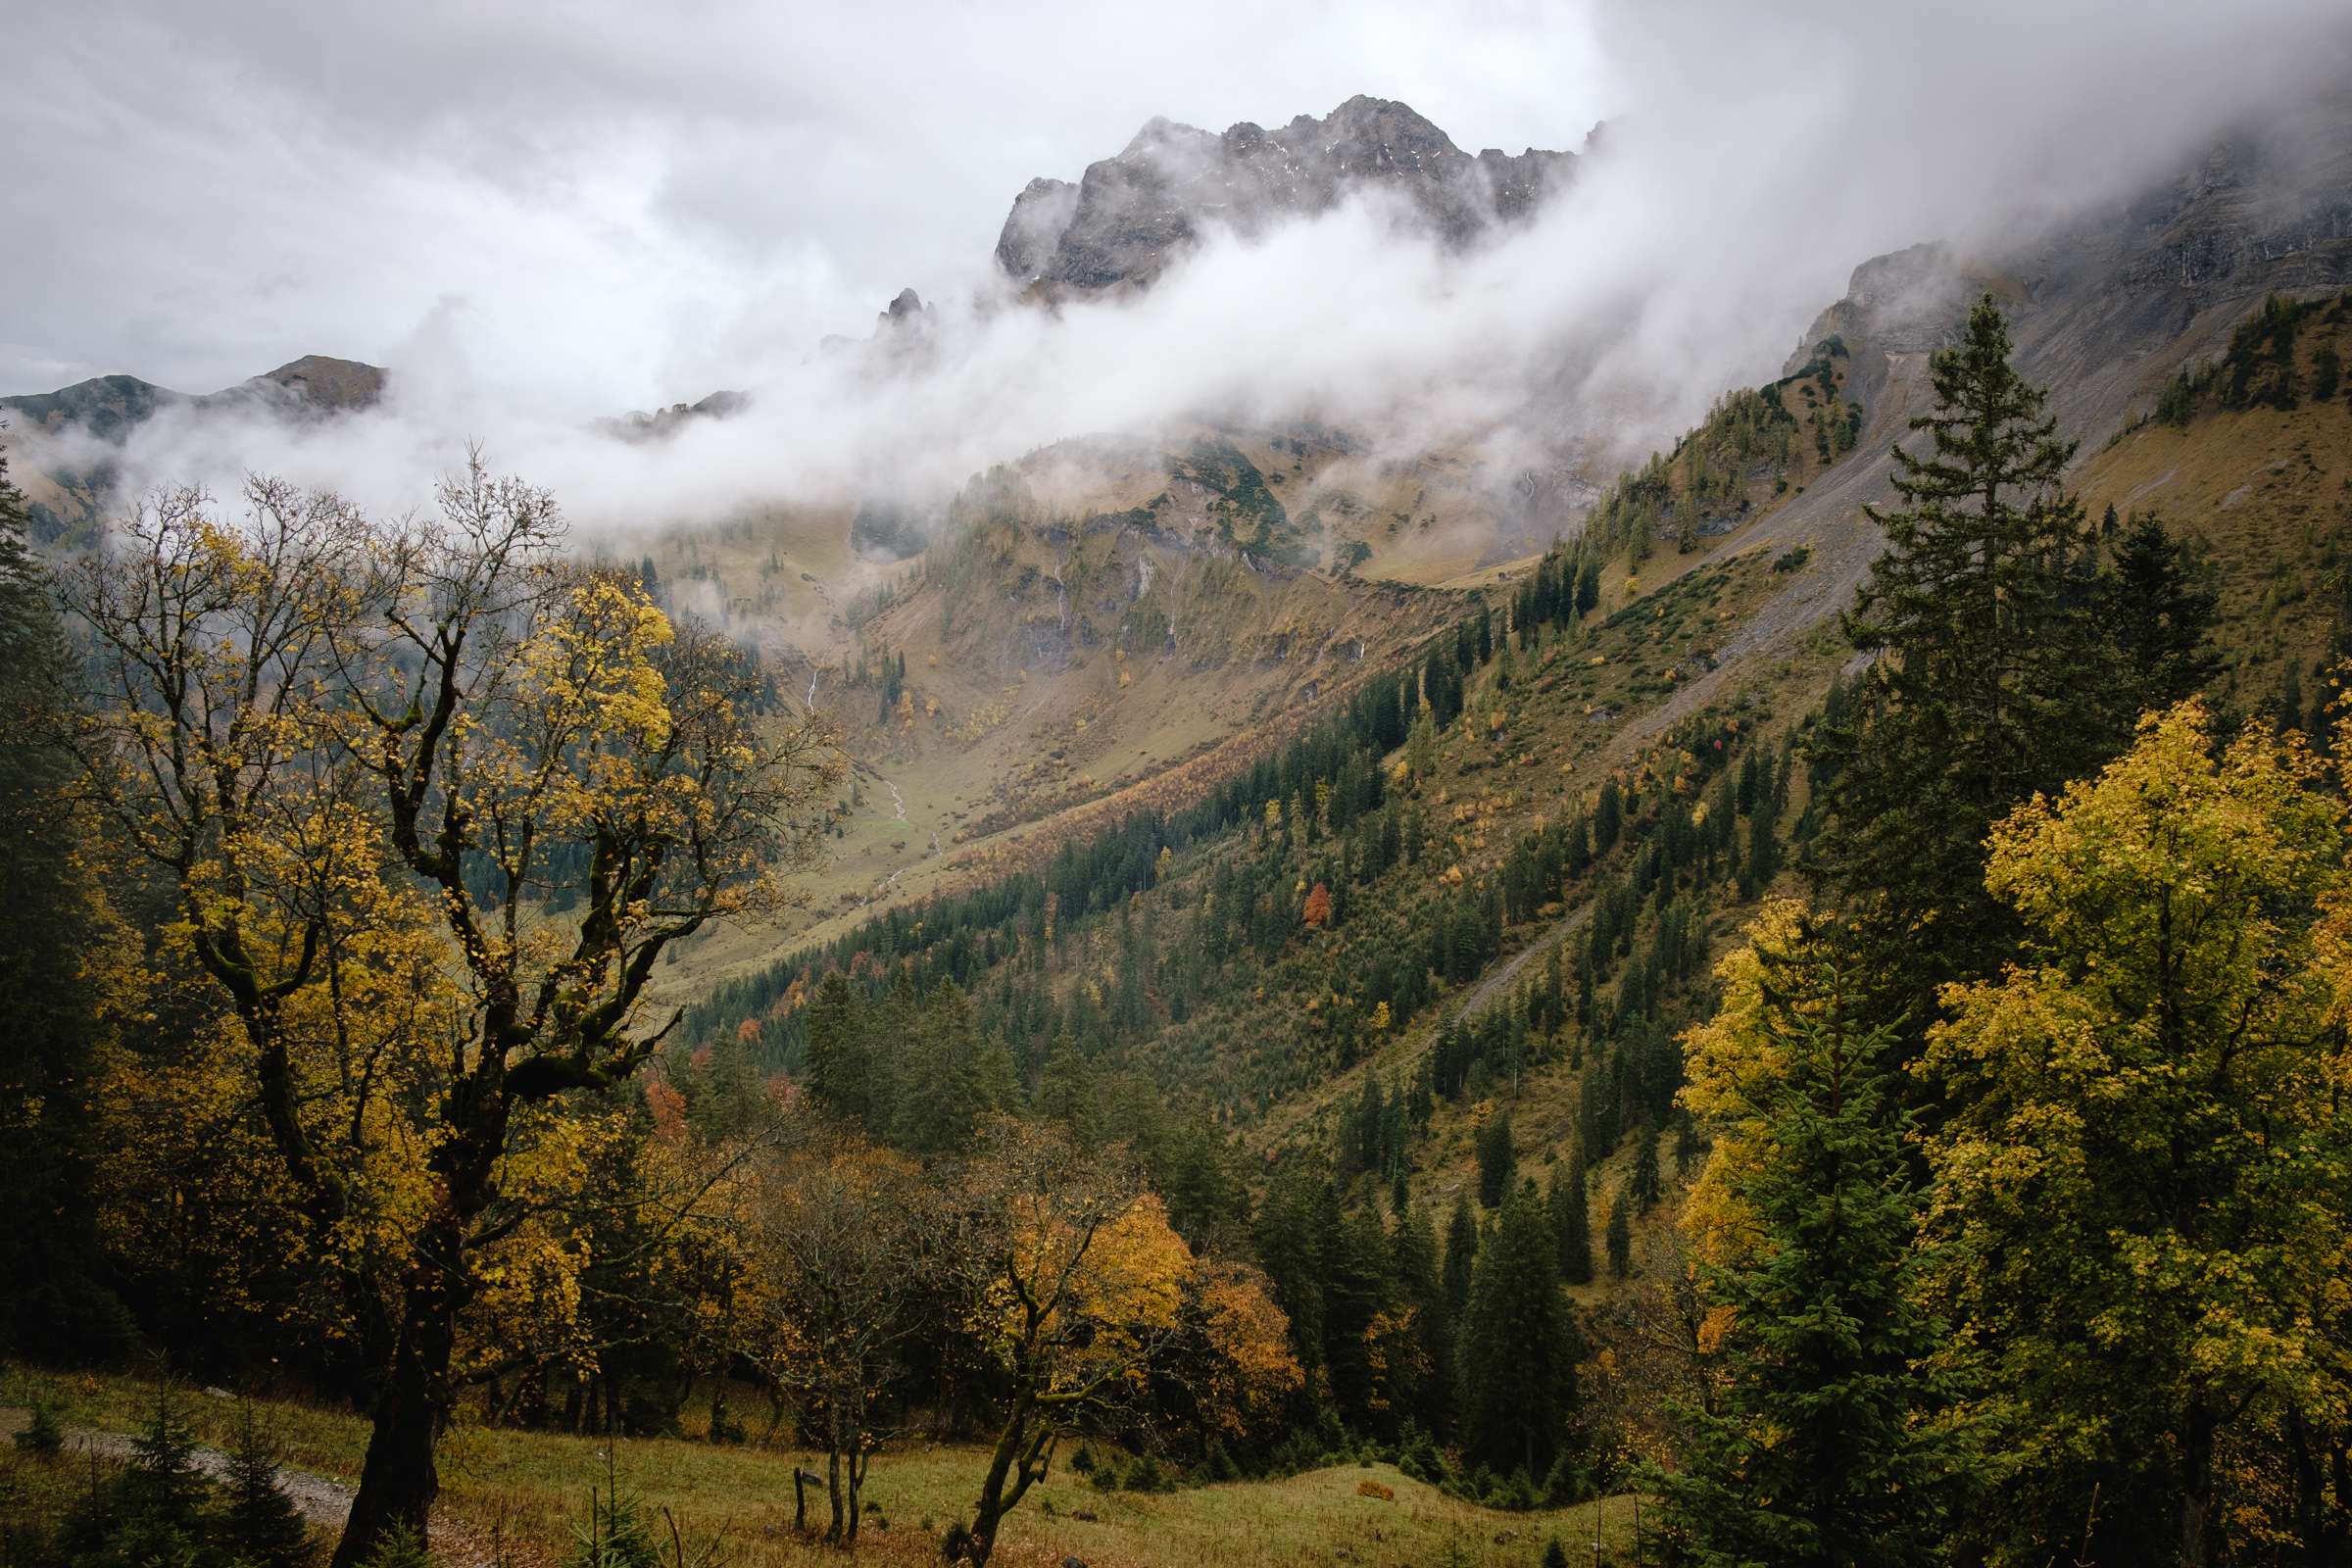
[
  {"x": 1572, "y": 1220},
  {"x": 259, "y": 1524},
  {"x": 1818, "y": 1451},
  {"x": 2161, "y": 613},
  {"x": 162, "y": 1492},
  {"x": 1359, "y": 1282},
  {"x": 1648, "y": 1183},
  {"x": 1296, "y": 1230},
  {"x": 1609, "y": 817},
  {"x": 1991, "y": 675},
  {"x": 1461, "y": 1256},
  {"x": 1498, "y": 1162},
  {"x": 1518, "y": 1344},
  {"x": 1422, "y": 1286},
  {"x": 1763, "y": 860}
]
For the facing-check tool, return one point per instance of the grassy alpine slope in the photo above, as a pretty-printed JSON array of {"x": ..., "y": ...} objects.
[{"x": 517, "y": 1497}]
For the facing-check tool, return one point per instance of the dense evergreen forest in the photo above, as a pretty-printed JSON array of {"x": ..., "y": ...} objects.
[{"x": 1966, "y": 1053}]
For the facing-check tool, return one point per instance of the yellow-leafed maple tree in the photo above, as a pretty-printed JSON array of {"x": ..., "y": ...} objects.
[
  {"x": 435, "y": 798},
  {"x": 1083, "y": 1294}
]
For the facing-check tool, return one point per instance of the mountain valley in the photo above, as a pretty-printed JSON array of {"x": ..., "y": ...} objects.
[{"x": 1387, "y": 879}]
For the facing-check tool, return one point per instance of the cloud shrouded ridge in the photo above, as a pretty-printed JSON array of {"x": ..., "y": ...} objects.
[{"x": 535, "y": 225}]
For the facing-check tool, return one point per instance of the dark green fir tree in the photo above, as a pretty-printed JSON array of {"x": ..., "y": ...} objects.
[
  {"x": 1821, "y": 1449},
  {"x": 51, "y": 1305},
  {"x": 2162, "y": 614},
  {"x": 1991, "y": 675},
  {"x": 1498, "y": 1162},
  {"x": 1648, "y": 1183},
  {"x": 1461, "y": 1256},
  {"x": 1518, "y": 1345},
  {"x": 1571, "y": 1211},
  {"x": 259, "y": 1524}
]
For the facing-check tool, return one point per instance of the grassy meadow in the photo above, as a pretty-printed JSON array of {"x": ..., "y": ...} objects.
[{"x": 516, "y": 1496}]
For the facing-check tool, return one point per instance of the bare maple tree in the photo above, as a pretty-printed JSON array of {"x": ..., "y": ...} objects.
[{"x": 840, "y": 1227}]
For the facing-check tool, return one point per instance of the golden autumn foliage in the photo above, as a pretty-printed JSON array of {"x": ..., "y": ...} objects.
[
  {"x": 1082, "y": 1294},
  {"x": 1732, "y": 1065},
  {"x": 2142, "y": 1202},
  {"x": 433, "y": 801},
  {"x": 1249, "y": 1372}
]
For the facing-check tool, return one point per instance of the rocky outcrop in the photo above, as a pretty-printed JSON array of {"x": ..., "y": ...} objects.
[
  {"x": 905, "y": 338},
  {"x": 1041, "y": 214},
  {"x": 662, "y": 424},
  {"x": 1903, "y": 302},
  {"x": 2106, "y": 305},
  {"x": 1130, "y": 215},
  {"x": 2280, "y": 195},
  {"x": 906, "y": 312},
  {"x": 2102, "y": 311}
]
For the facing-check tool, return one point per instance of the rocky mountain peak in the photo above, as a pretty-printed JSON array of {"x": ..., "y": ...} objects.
[
  {"x": 319, "y": 384},
  {"x": 110, "y": 406},
  {"x": 1129, "y": 217}
]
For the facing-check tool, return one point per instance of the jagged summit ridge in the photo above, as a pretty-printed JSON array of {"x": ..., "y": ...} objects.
[{"x": 1129, "y": 215}]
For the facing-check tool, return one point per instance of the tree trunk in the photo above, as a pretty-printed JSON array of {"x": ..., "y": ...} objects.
[
  {"x": 2196, "y": 1488},
  {"x": 775, "y": 1411},
  {"x": 833, "y": 1484},
  {"x": 1015, "y": 1449},
  {"x": 988, "y": 1510},
  {"x": 398, "y": 1480}
]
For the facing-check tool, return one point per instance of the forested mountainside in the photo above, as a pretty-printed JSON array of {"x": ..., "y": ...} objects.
[
  {"x": 1804, "y": 1020},
  {"x": 1459, "y": 932}
]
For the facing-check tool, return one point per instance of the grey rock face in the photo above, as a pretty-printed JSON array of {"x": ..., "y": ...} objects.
[
  {"x": 1906, "y": 301},
  {"x": 1131, "y": 214},
  {"x": 2253, "y": 201},
  {"x": 662, "y": 424},
  {"x": 2105, "y": 304},
  {"x": 1040, "y": 215}
]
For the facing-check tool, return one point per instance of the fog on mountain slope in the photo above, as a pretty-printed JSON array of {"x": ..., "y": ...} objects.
[{"x": 1749, "y": 171}]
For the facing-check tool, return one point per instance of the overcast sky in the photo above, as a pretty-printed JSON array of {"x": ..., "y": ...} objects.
[
  {"x": 536, "y": 214},
  {"x": 200, "y": 191}
]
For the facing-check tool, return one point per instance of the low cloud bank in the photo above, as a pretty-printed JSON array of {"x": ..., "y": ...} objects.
[{"x": 1753, "y": 155}]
